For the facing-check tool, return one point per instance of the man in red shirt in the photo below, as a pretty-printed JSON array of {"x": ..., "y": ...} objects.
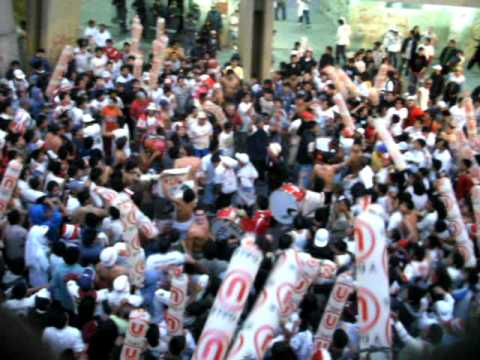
[
  {"x": 464, "y": 181},
  {"x": 414, "y": 112},
  {"x": 111, "y": 52}
]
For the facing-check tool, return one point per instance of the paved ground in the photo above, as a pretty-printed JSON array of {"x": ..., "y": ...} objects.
[{"x": 320, "y": 34}]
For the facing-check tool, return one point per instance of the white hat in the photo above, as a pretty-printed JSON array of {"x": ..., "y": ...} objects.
[
  {"x": 109, "y": 256},
  {"x": 121, "y": 284},
  {"x": 403, "y": 146},
  {"x": 442, "y": 104},
  {"x": 135, "y": 300},
  {"x": 19, "y": 74},
  {"x": 43, "y": 294},
  {"x": 437, "y": 67},
  {"x": 228, "y": 161},
  {"x": 243, "y": 158},
  {"x": 163, "y": 296},
  {"x": 411, "y": 98},
  {"x": 321, "y": 238},
  {"x": 102, "y": 237},
  {"x": 106, "y": 74},
  {"x": 204, "y": 77},
  {"x": 120, "y": 247},
  {"x": 152, "y": 107},
  {"x": 87, "y": 118},
  {"x": 202, "y": 115},
  {"x": 443, "y": 310},
  {"x": 275, "y": 148}
]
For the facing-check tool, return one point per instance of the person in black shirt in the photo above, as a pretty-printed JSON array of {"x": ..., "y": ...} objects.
[
  {"x": 327, "y": 57},
  {"x": 438, "y": 82},
  {"x": 306, "y": 149},
  {"x": 307, "y": 62},
  {"x": 418, "y": 65},
  {"x": 475, "y": 58},
  {"x": 294, "y": 68},
  {"x": 448, "y": 55}
]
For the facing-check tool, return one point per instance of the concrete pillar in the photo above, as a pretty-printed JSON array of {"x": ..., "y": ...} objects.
[
  {"x": 256, "y": 37},
  {"x": 8, "y": 35},
  {"x": 58, "y": 25}
]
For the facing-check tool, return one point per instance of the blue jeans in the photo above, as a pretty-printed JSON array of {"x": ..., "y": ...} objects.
[
  {"x": 305, "y": 16},
  {"x": 200, "y": 152},
  {"x": 305, "y": 175}
]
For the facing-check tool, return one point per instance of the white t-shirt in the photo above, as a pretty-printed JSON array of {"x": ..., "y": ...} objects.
[
  {"x": 102, "y": 37},
  {"x": 97, "y": 64},
  {"x": 90, "y": 32},
  {"x": 343, "y": 35},
  {"x": 225, "y": 143},
  {"x": 60, "y": 340},
  {"x": 200, "y": 134}
]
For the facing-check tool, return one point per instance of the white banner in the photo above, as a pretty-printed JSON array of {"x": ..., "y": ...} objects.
[
  {"x": 178, "y": 301},
  {"x": 281, "y": 296},
  {"x": 135, "y": 342},
  {"x": 229, "y": 303},
  {"x": 336, "y": 302},
  {"x": 372, "y": 278},
  {"x": 9, "y": 182},
  {"x": 455, "y": 221}
]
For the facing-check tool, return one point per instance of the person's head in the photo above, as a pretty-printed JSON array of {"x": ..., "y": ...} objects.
[
  {"x": 14, "y": 217},
  {"x": 188, "y": 196},
  {"x": 341, "y": 21},
  {"x": 91, "y": 23},
  {"x": 177, "y": 345},
  {"x": 282, "y": 350},
  {"x": 434, "y": 334},
  {"x": 72, "y": 255},
  {"x": 58, "y": 318},
  {"x": 19, "y": 290},
  {"x": 114, "y": 213}
]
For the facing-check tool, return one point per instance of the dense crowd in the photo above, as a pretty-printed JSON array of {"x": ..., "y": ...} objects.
[{"x": 64, "y": 263}]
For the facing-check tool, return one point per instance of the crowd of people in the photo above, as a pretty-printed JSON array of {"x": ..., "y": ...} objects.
[{"x": 65, "y": 268}]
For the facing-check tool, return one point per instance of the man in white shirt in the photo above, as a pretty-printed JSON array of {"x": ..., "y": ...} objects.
[
  {"x": 200, "y": 132},
  {"x": 60, "y": 336},
  {"x": 304, "y": 11},
  {"x": 98, "y": 63},
  {"x": 82, "y": 60},
  {"x": 102, "y": 36},
  {"x": 343, "y": 40},
  {"x": 91, "y": 31}
]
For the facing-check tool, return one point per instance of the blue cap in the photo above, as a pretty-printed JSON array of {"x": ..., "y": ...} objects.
[{"x": 85, "y": 281}]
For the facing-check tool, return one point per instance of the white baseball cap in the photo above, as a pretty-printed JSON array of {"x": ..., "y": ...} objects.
[{"x": 321, "y": 238}]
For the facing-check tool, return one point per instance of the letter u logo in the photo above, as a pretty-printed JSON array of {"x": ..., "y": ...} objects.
[{"x": 137, "y": 329}]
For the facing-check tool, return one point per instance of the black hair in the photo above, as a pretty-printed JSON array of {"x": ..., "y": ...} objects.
[
  {"x": 114, "y": 213},
  {"x": 58, "y": 318},
  {"x": 72, "y": 255},
  {"x": 177, "y": 345},
  {"x": 188, "y": 195},
  {"x": 14, "y": 217},
  {"x": 285, "y": 241},
  {"x": 19, "y": 290}
]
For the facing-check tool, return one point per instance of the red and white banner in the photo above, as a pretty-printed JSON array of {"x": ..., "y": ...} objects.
[
  {"x": 336, "y": 302},
  {"x": 135, "y": 342},
  {"x": 281, "y": 296},
  {"x": 455, "y": 221},
  {"x": 178, "y": 301},
  {"x": 9, "y": 182},
  {"x": 391, "y": 145},
  {"x": 229, "y": 303},
  {"x": 60, "y": 69},
  {"x": 373, "y": 296},
  {"x": 133, "y": 220}
]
